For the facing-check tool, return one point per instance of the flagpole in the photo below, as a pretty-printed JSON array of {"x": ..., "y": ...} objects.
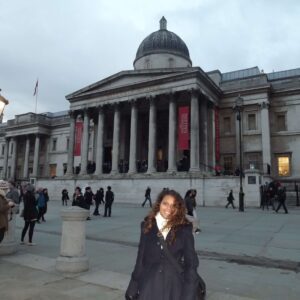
[{"x": 36, "y": 95}]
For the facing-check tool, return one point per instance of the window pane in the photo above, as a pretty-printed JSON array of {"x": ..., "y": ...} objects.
[
  {"x": 283, "y": 166},
  {"x": 281, "y": 123},
  {"x": 227, "y": 125},
  {"x": 251, "y": 122}
]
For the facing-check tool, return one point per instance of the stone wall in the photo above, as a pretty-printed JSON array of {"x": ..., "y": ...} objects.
[{"x": 211, "y": 191}]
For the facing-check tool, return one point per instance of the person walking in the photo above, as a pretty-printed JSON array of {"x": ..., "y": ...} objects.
[
  {"x": 30, "y": 214},
  {"x": 230, "y": 200},
  {"x": 64, "y": 197},
  {"x": 109, "y": 199},
  {"x": 78, "y": 199},
  {"x": 99, "y": 198},
  {"x": 13, "y": 192},
  {"x": 5, "y": 206},
  {"x": 41, "y": 203},
  {"x": 147, "y": 197},
  {"x": 88, "y": 198},
  {"x": 281, "y": 199},
  {"x": 190, "y": 204},
  {"x": 165, "y": 234}
]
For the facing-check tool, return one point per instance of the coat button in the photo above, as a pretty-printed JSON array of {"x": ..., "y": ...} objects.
[
  {"x": 158, "y": 243},
  {"x": 160, "y": 271}
]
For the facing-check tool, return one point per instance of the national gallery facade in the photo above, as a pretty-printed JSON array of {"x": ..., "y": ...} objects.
[{"x": 163, "y": 124}]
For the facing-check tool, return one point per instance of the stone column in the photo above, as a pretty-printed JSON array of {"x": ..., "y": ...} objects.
[
  {"x": 99, "y": 152},
  {"x": 6, "y": 149},
  {"x": 194, "y": 153},
  {"x": 152, "y": 138},
  {"x": 172, "y": 135},
  {"x": 133, "y": 138},
  {"x": 26, "y": 158},
  {"x": 212, "y": 111},
  {"x": 9, "y": 243},
  {"x": 116, "y": 141},
  {"x": 71, "y": 144},
  {"x": 13, "y": 158},
  {"x": 36, "y": 156},
  {"x": 72, "y": 256},
  {"x": 204, "y": 138},
  {"x": 85, "y": 143},
  {"x": 265, "y": 135}
]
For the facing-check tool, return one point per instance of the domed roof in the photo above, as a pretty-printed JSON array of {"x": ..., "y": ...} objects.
[{"x": 163, "y": 41}]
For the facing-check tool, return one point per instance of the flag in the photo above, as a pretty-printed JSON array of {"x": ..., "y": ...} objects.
[{"x": 36, "y": 88}]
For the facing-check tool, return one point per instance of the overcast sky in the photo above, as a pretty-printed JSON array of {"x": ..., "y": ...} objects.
[{"x": 68, "y": 44}]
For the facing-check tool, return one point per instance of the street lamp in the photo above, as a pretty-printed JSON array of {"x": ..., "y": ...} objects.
[
  {"x": 238, "y": 108},
  {"x": 3, "y": 102}
]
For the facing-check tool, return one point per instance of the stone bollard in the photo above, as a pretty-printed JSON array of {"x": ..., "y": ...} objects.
[
  {"x": 72, "y": 257},
  {"x": 9, "y": 244}
]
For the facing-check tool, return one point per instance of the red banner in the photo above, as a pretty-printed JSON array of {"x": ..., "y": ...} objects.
[
  {"x": 217, "y": 134},
  {"x": 78, "y": 136},
  {"x": 183, "y": 128}
]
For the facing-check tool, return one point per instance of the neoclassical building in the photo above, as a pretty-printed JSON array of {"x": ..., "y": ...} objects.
[{"x": 164, "y": 123}]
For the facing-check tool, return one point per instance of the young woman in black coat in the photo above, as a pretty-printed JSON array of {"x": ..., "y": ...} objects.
[
  {"x": 154, "y": 276},
  {"x": 30, "y": 213}
]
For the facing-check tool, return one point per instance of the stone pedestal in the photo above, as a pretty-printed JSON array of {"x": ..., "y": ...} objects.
[
  {"x": 9, "y": 244},
  {"x": 72, "y": 257},
  {"x": 252, "y": 182}
]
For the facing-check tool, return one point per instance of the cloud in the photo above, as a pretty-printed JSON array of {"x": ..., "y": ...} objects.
[{"x": 70, "y": 44}]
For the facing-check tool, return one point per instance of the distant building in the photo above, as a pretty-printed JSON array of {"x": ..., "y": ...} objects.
[{"x": 165, "y": 119}]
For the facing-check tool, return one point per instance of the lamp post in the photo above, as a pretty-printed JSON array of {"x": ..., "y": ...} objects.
[
  {"x": 238, "y": 108},
  {"x": 3, "y": 102}
]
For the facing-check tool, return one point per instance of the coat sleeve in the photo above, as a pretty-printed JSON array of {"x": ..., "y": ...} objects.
[
  {"x": 4, "y": 207},
  {"x": 191, "y": 263},
  {"x": 133, "y": 288}
]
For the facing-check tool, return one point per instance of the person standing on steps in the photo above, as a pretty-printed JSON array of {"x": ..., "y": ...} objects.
[{"x": 109, "y": 199}]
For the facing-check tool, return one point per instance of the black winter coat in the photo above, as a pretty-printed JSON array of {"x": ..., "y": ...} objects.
[
  {"x": 154, "y": 277},
  {"x": 30, "y": 210}
]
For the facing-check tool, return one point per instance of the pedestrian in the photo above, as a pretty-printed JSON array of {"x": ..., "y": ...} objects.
[
  {"x": 78, "y": 199},
  {"x": 99, "y": 198},
  {"x": 147, "y": 197},
  {"x": 165, "y": 230},
  {"x": 5, "y": 206},
  {"x": 88, "y": 198},
  {"x": 109, "y": 199},
  {"x": 64, "y": 197},
  {"x": 281, "y": 199},
  {"x": 230, "y": 200},
  {"x": 13, "y": 192},
  {"x": 46, "y": 195},
  {"x": 30, "y": 214},
  {"x": 41, "y": 203},
  {"x": 190, "y": 204}
]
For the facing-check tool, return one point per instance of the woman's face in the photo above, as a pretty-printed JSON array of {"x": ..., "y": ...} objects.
[{"x": 167, "y": 207}]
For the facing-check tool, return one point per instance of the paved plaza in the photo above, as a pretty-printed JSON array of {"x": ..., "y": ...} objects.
[{"x": 250, "y": 255}]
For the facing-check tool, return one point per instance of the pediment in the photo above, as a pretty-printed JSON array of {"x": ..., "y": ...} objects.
[{"x": 125, "y": 79}]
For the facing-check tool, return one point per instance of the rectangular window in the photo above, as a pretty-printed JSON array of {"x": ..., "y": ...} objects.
[
  {"x": 253, "y": 161},
  {"x": 228, "y": 165},
  {"x": 283, "y": 165},
  {"x": 54, "y": 144},
  {"x": 227, "y": 124},
  {"x": 251, "y": 122},
  {"x": 2, "y": 149},
  {"x": 11, "y": 148},
  {"x": 280, "y": 122},
  {"x": 52, "y": 170}
]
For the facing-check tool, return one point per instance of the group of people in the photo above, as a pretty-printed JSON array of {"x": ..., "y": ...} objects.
[
  {"x": 269, "y": 194},
  {"x": 85, "y": 200}
]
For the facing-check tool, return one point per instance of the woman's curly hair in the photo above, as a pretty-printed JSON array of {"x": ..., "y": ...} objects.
[{"x": 177, "y": 219}]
